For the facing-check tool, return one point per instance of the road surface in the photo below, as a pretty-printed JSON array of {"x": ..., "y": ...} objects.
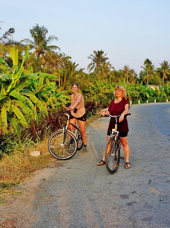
[{"x": 80, "y": 194}]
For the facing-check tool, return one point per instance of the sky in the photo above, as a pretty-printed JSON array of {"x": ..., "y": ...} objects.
[{"x": 128, "y": 31}]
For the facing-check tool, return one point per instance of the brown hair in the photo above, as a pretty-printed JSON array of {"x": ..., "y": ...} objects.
[{"x": 75, "y": 84}]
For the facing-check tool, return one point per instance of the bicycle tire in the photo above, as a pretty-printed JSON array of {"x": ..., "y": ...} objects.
[
  {"x": 79, "y": 139},
  {"x": 112, "y": 155},
  {"x": 78, "y": 136},
  {"x": 62, "y": 150}
]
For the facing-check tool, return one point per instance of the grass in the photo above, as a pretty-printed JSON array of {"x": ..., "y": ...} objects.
[{"x": 16, "y": 167}]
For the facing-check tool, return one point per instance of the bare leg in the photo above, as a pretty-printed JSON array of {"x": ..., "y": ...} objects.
[
  {"x": 72, "y": 121},
  {"x": 126, "y": 148},
  {"x": 83, "y": 132},
  {"x": 102, "y": 162},
  {"x": 108, "y": 148}
]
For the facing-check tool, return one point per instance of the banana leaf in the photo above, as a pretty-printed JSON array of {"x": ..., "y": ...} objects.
[
  {"x": 4, "y": 118},
  {"x": 5, "y": 78},
  {"x": 16, "y": 76},
  {"x": 37, "y": 102},
  {"x": 58, "y": 94},
  {"x": 16, "y": 127},
  {"x": 19, "y": 115},
  {"x": 17, "y": 95},
  {"x": 2, "y": 96},
  {"x": 25, "y": 109},
  {"x": 14, "y": 56},
  {"x": 23, "y": 85},
  {"x": 4, "y": 66},
  {"x": 45, "y": 75}
]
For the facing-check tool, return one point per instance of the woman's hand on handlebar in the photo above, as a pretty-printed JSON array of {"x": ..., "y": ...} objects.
[
  {"x": 69, "y": 108},
  {"x": 103, "y": 114}
]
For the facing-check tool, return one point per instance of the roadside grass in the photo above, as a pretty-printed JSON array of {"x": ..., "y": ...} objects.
[{"x": 19, "y": 165}]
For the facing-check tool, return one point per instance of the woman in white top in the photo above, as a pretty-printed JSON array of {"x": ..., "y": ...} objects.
[{"x": 77, "y": 109}]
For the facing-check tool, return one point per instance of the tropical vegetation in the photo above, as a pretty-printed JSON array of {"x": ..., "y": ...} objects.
[{"x": 35, "y": 79}]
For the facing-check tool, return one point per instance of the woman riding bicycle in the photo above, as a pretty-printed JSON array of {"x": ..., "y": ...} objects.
[
  {"x": 77, "y": 109},
  {"x": 119, "y": 106}
]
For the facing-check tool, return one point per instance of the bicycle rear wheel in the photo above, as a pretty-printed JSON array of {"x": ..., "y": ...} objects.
[
  {"x": 112, "y": 155},
  {"x": 62, "y": 144},
  {"x": 79, "y": 139}
]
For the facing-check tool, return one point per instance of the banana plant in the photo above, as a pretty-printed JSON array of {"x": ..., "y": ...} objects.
[{"x": 15, "y": 103}]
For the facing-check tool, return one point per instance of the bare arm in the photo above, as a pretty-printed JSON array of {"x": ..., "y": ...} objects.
[
  {"x": 124, "y": 113},
  {"x": 105, "y": 112}
]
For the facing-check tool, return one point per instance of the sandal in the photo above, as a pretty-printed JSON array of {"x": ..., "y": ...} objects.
[
  {"x": 100, "y": 163},
  {"x": 127, "y": 165}
]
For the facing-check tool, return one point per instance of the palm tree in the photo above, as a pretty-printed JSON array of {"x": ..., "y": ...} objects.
[
  {"x": 4, "y": 39},
  {"x": 98, "y": 59},
  {"x": 40, "y": 44},
  {"x": 70, "y": 74},
  {"x": 164, "y": 70},
  {"x": 7, "y": 35},
  {"x": 126, "y": 71},
  {"x": 148, "y": 70},
  {"x": 99, "y": 64}
]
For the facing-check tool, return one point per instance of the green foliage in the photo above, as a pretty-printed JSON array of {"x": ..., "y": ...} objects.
[
  {"x": 38, "y": 84},
  {"x": 14, "y": 56},
  {"x": 22, "y": 96}
]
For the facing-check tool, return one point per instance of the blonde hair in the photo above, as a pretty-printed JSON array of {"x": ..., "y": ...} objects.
[{"x": 122, "y": 89}]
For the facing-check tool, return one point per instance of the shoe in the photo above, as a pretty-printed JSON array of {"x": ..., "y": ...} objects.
[
  {"x": 100, "y": 163},
  {"x": 85, "y": 149},
  {"x": 127, "y": 165}
]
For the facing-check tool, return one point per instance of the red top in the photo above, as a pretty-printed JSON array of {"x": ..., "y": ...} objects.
[{"x": 116, "y": 109}]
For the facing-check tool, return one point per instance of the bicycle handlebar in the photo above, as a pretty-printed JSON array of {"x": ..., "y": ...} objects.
[{"x": 128, "y": 114}]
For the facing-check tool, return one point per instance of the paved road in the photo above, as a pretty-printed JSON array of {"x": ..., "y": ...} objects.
[{"x": 79, "y": 194}]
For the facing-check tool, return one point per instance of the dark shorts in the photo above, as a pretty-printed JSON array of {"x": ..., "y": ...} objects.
[
  {"x": 121, "y": 134},
  {"x": 83, "y": 118}
]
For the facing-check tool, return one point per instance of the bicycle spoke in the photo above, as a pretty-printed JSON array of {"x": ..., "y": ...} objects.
[
  {"x": 62, "y": 145},
  {"x": 112, "y": 156}
]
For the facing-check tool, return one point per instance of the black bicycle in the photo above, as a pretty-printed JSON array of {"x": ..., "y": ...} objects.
[
  {"x": 64, "y": 143},
  {"x": 112, "y": 149}
]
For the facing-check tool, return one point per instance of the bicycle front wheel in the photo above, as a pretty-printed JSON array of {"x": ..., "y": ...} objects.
[
  {"x": 62, "y": 144},
  {"x": 112, "y": 155}
]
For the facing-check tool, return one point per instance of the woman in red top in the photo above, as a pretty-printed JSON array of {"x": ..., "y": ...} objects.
[{"x": 119, "y": 106}]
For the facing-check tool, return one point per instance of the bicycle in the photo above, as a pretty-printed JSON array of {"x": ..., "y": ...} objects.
[
  {"x": 112, "y": 149},
  {"x": 64, "y": 143}
]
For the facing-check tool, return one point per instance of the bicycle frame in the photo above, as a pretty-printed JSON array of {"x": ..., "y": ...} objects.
[
  {"x": 68, "y": 123},
  {"x": 76, "y": 129},
  {"x": 115, "y": 132}
]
